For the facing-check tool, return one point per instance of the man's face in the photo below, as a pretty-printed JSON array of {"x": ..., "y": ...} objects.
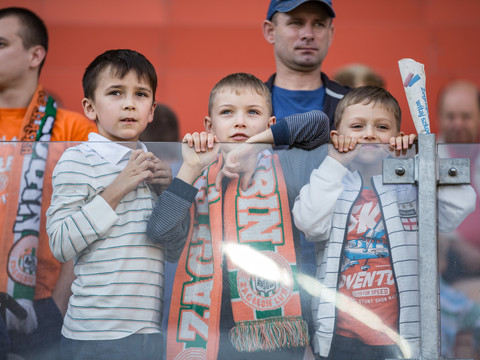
[
  {"x": 14, "y": 58},
  {"x": 301, "y": 37},
  {"x": 460, "y": 115}
]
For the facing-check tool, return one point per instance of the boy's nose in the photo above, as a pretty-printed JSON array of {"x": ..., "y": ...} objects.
[
  {"x": 369, "y": 133},
  {"x": 129, "y": 104},
  {"x": 239, "y": 120}
]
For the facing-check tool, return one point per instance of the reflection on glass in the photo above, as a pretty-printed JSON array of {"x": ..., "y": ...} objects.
[
  {"x": 243, "y": 280},
  {"x": 368, "y": 318},
  {"x": 459, "y": 266},
  {"x": 256, "y": 264}
]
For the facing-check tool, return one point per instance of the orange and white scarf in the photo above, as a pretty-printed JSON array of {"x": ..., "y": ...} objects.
[
  {"x": 22, "y": 222},
  {"x": 253, "y": 230}
]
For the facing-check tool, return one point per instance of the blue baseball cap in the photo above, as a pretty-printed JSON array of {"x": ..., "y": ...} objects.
[{"x": 289, "y": 5}]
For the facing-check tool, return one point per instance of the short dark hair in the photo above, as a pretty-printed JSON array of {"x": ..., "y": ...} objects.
[
  {"x": 241, "y": 81},
  {"x": 33, "y": 31},
  {"x": 369, "y": 94},
  {"x": 121, "y": 61}
]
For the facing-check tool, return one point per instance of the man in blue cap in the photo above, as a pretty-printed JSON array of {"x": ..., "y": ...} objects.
[{"x": 301, "y": 33}]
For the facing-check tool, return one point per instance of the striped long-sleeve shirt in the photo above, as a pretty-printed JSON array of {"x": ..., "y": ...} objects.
[{"x": 119, "y": 285}]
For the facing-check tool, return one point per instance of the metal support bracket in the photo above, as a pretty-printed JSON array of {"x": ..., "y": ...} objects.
[
  {"x": 450, "y": 172},
  {"x": 454, "y": 172},
  {"x": 427, "y": 171},
  {"x": 399, "y": 171}
]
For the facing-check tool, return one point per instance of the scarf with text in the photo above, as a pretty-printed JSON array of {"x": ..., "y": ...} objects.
[
  {"x": 23, "y": 208},
  {"x": 256, "y": 239}
]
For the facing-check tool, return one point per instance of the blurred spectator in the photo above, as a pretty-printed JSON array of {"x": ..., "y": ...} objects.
[
  {"x": 164, "y": 126},
  {"x": 460, "y": 315},
  {"x": 459, "y": 120},
  {"x": 459, "y": 252},
  {"x": 459, "y": 112},
  {"x": 355, "y": 75}
]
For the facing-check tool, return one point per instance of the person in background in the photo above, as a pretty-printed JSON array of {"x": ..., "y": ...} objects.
[
  {"x": 355, "y": 75},
  {"x": 164, "y": 126},
  {"x": 459, "y": 120},
  {"x": 459, "y": 112},
  {"x": 30, "y": 274},
  {"x": 301, "y": 33},
  {"x": 460, "y": 315},
  {"x": 459, "y": 256}
]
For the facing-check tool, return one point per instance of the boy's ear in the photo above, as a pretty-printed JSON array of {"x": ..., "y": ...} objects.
[
  {"x": 207, "y": 124},
  {"x": 152, "y": 112},
  {"x": 89, "y": 109},
  {"x": 401, "y": 133},
  {"x": 268, "y": 29},
  {"x": 272, "y": 121},
  {"x": 333, "y": 132}
]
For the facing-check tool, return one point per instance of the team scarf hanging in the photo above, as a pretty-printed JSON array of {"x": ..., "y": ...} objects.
[
  {"x": 253, "y": 230},
  {"x": 23, "y": 209}
]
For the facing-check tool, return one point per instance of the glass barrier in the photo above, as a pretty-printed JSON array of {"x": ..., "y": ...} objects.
[
  {"x": 269, "y": 255},
  {"x": 459, "y": 267}
]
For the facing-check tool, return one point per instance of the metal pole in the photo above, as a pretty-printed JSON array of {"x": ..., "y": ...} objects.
[
  {"x": 427, "y": 172},
  {"x": 427, "y": 234}
]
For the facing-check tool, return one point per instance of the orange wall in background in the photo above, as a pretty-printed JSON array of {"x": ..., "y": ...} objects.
[{"x": 194, "y": 43}]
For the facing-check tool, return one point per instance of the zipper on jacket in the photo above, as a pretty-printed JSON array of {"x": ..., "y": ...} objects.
[{"x": 372, "y": 181}]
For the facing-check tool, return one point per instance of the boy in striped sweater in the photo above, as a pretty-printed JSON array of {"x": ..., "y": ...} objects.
[{"x": 101, "y": 202}]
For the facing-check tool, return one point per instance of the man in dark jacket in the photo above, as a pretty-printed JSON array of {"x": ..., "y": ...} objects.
[{"x": 301, "y": 33}]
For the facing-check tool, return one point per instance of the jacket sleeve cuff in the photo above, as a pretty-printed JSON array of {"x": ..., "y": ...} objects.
[
  {"x": 183, "y": 190},
  {"x": 281, "y": 135},
  {"x": 101, "y": 213}
]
